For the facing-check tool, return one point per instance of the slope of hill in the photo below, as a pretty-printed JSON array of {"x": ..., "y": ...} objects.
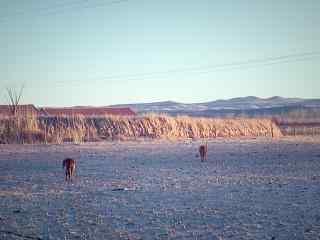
[{"x": 245, "y": 105}]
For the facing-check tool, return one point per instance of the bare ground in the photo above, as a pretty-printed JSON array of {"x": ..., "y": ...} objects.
[{"x": 248, "y": 189}]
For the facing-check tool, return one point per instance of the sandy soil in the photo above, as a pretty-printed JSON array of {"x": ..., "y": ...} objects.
[{"x": 248, "y": 189}]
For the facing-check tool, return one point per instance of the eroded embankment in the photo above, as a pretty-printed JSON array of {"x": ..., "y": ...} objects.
[{"x": 78, "y": 129}]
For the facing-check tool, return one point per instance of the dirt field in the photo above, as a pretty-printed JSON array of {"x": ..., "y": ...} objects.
[{"x": 248, "y": 189}]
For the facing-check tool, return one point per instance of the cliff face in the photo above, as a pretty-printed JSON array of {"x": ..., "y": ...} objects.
[{"x": 79, "y": 129}]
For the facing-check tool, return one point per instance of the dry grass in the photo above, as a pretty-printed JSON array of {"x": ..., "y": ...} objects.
[
  {"x": 304, "y": 122},
  {"x": 310, "y": 115},
  {"x": 78, "y": 129},
  {"x": 300, "y": 129}
]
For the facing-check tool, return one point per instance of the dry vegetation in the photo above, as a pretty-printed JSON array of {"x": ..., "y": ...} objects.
[
  {"x": 303, "y": 116},
  {"x": 78, "y": 129},
  {"x": 304, "y": 122},
  {"x": 300, "y": 129}
]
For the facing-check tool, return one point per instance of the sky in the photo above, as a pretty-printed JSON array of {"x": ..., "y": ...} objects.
[{"x": 103, "y": 52}]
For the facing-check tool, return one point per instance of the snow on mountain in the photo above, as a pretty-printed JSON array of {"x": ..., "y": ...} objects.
[{"x": 241, "y": 103}]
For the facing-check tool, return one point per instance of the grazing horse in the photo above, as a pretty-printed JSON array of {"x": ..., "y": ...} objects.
[
  {"x": 70, "y": 165},
  {"x": 203, "y": 149}
]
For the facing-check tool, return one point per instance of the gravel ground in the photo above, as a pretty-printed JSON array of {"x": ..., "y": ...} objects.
[{"x": 248, "y": 189}]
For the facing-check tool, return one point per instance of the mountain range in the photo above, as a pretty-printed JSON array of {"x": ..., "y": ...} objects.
[{"x": 235, "y": 104}]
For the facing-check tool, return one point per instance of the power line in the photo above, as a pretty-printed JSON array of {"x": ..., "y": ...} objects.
[
  {"x": 57, "y": 8},
  {"x": 252, "y": 63},
  {"x": 261, "y": 65},
  {"x": 235, "y": 65},
  {"x": 52, "y": 7}
]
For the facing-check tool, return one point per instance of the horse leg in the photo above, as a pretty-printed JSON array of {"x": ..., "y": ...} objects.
[{"x": 69, "y": 174}]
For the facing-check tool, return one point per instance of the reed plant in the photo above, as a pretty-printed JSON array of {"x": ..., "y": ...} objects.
[{"x": 78, "y": 129}]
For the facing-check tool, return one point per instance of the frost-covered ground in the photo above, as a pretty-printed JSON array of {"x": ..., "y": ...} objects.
[{"x": 248, "y": 189}]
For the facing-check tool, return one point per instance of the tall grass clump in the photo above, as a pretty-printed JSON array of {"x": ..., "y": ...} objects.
[
  {"x": 19, "y": 129},
  {"x": 77, "y": 129}
]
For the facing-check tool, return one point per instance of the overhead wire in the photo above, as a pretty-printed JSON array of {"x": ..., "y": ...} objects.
[
  {"x": 235, "y": 65},
  {"x": 162, "y": 75},
  {"x": 54, "y": 9},
  {"x": 252, "y": 63}
]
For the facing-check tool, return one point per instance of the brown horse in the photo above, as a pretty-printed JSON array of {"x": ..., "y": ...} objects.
[
  {"x": 70, "y": 165},
  {"x": 203, "y": 149}
]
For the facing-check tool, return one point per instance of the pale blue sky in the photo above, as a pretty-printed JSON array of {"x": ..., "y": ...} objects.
[{"x": 79, "y": 53}]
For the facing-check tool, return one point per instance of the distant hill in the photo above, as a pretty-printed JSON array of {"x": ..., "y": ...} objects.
[{"x": 251, "y": 106}]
